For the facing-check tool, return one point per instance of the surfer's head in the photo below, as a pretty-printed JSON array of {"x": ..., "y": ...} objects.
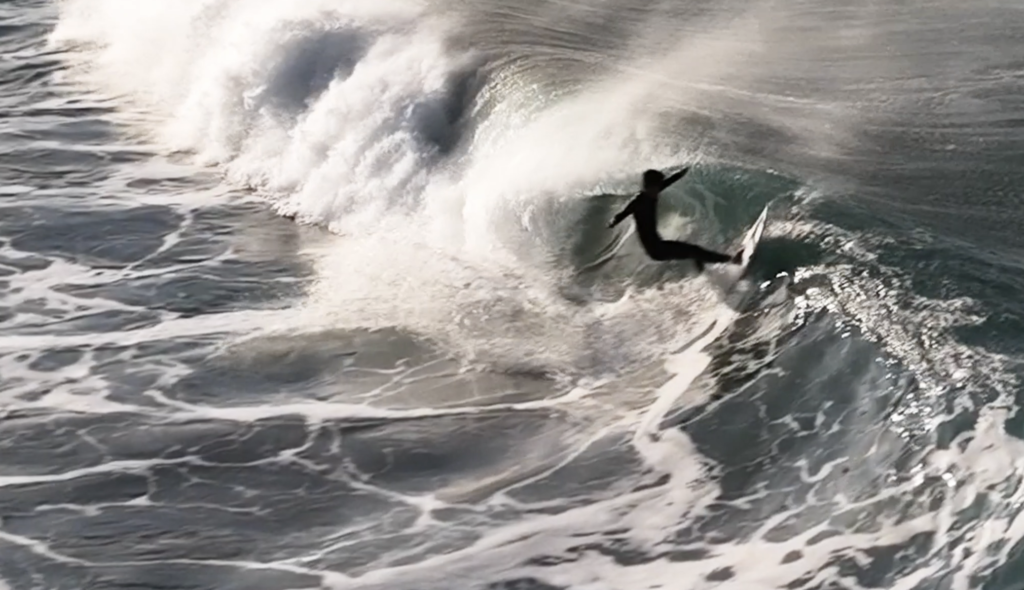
[{"x": 653, "y": 181}]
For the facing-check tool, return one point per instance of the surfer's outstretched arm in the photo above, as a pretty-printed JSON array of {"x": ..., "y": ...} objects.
[
  {"x": 623, "y": 214},
  {"x": 672, "y": 179}
]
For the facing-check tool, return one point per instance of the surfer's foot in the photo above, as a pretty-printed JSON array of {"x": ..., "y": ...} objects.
[
  {"x": 700, "y": 266},
  {"x": 737, "y": 258}
]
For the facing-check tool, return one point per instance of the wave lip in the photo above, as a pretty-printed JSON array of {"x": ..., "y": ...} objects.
[{"x": 334, "y": 109}]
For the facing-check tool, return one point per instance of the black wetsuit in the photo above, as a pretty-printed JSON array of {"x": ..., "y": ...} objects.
[{"x": 644, "y": 209}]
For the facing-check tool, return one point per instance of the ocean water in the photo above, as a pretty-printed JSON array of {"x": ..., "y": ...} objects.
[{"x": 320, "y": 294}]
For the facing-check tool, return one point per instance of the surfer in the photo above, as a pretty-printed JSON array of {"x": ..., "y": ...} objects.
[{"x": 644, "y": 209}]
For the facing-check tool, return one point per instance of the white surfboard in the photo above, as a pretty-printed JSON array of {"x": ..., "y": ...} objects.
[
  {"x": 752, "y": 238},
  {"x": 726, "y": 276}
]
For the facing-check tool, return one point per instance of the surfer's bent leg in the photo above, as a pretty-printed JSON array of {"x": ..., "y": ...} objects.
[{"x": 669, "y": 250}]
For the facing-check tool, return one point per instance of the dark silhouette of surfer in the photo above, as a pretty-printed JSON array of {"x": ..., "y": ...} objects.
[{"x": 644, "y": 209}]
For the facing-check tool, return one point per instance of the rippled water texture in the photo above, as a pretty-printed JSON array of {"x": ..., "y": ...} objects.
[{"x": 321, "y": 294}]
